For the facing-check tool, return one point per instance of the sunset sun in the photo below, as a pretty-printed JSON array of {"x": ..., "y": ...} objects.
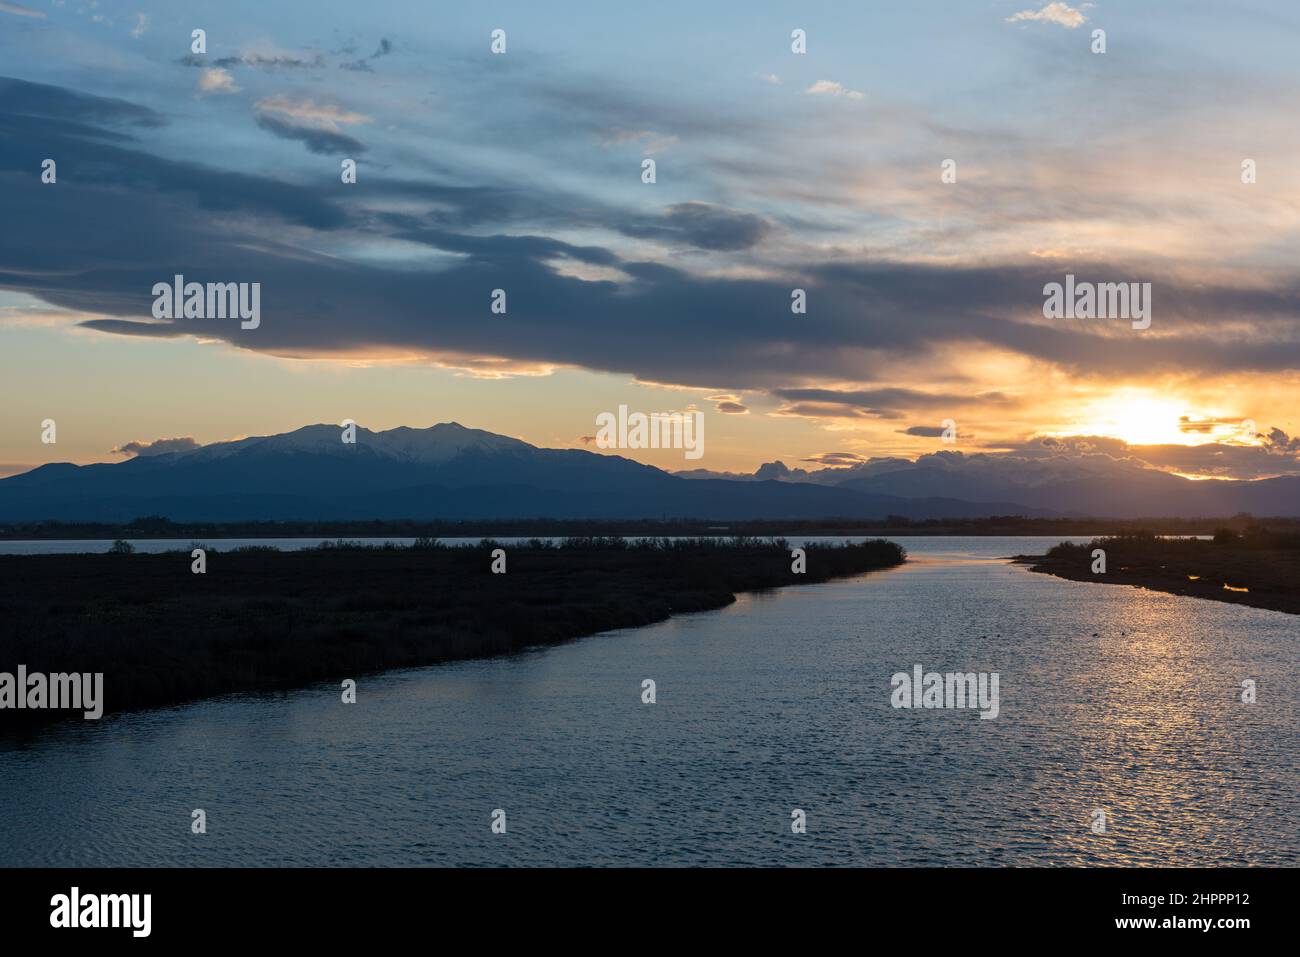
[{"x": 1140, "y": 418}]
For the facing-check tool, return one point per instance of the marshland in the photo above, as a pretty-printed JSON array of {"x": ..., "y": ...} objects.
[{"x": 258, "y": 619}]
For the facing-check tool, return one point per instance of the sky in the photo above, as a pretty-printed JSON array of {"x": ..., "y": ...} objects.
[{"x": 774, "y": 171}]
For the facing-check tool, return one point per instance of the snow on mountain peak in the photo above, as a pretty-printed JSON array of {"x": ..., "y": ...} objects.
[{"x": 437, "y": 443}]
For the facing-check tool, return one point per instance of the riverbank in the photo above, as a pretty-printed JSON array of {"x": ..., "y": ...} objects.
[
  {"x": 1260, "y": 569},
  {"x": 260, "y": 619},
  {"x": 157, "y": 527}
]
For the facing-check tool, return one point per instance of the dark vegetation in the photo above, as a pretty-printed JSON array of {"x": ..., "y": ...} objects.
[
  {"x": 261, "y": 619},
  {"x": 1258, "y": 566},
  {"x": 160, "y": 527}
]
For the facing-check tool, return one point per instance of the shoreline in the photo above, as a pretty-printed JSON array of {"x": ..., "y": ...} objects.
[
  {"x": 1230, "y": 576},
  {"x": 157, "y": 527}
]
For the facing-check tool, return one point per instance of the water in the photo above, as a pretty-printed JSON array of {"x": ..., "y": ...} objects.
[{"x": 780, "y": 701}]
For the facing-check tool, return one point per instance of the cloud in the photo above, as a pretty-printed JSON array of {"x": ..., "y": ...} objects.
[
  {"x": 836, "y": 459},
  {"x": 881, "y": 403},
  {"x": 671, "y": 325},
  {"x": 1277, "y": 454},
  {"x": 831, "y": 88},
  {"x": 1279, "y": 443},
  {"x": 1199, "y": 425},
  {"x": 769, "y": 78},
  {"x": 262, "y": 61},
  {"x": 1056, "y": 12},
  {"x": 593, "y": 302},
  {"x": 315, "y": 139},
  {"x": 926, "y": 431},
  {"x": 217, "y": 80},
  {"x": 21, "y": 98},
  {"x": 20, "y": 11},
  {"x": 831, "y": 410},
  {"x": 157, "y": 447},
  {"x": 326, "y": 116},
  {"x": 704, "y": 226},
  {"x": 141, "y": 25},
  {"x": 169, "y": 189},
  {"x": 363, "y": 64},
  {"x": 316, "y": 125},
  {"x": 506, "y": 249},
  {"x": 651, "y": 142}
]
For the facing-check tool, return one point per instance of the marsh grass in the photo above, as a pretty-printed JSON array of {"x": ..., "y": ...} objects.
[
  {"x": 261, "y": 619},
  {"x": 1263, "y": 561}
]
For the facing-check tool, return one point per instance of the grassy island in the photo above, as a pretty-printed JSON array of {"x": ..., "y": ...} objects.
[
  {"x": 1258, "y": 567},
  {"x": 260, "y": 619}
]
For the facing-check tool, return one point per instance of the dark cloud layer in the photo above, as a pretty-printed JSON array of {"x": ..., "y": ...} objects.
[
  {"x": 256, "y": 60},
  {"x": 121, "y": 219},
  {"x": 324, "y": 142},
  {"x": 21, "y": 98},
  {"x": 703, "y": 225}
]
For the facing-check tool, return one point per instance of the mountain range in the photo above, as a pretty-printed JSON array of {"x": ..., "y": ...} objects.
[{"x": 448, "y": 471}]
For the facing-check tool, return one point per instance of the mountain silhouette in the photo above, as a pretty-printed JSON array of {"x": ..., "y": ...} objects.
[
  {"x": 1117, "y": 490},
  {"x": 448, "y": 471}
]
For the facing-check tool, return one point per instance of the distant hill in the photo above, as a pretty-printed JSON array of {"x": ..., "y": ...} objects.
[
  {"x": 1072, "y": 484},
  {"x": 1119, "y": 491}
]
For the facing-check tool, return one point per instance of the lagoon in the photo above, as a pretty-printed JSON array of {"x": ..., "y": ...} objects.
[{"x": 778, "y": 702}]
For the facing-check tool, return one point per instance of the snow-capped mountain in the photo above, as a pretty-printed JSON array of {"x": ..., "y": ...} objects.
[
  {"x": 446, "y": 471},
  {"x": 438, "y": 443},
  {"x": 450, "y": 471}
]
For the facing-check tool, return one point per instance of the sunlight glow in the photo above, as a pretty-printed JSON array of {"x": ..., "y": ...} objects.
[{"x": 1144, "y": 417}]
